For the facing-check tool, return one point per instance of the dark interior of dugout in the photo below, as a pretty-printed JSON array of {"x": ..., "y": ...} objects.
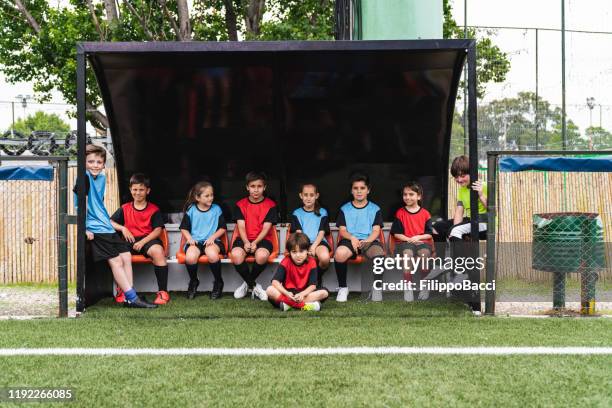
[{"x": 299, "y": 111}]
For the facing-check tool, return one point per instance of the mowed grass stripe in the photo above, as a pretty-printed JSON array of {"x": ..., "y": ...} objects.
[{"x": 305, "y": 351}]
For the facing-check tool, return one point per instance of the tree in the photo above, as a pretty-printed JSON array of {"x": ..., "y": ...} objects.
[
  {"x": 513, "y": 124},
  {"x": 37, "y": 39},
  {"x": 599, "y": 138},
  {"x": 492, "y": 64},
  {"x": 41, "y": 121}
]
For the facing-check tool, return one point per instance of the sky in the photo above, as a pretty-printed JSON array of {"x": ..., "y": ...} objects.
[{"x": 588, "y": 57}]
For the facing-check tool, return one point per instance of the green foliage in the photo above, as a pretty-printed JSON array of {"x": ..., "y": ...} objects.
[
  {"x": 46, "y": 57},
  {"x": 41, "y": 121},
  {"x": 513, "y": 123},
  {"x": 492, "y": 63},
  {"x": 601, "y": 138}
]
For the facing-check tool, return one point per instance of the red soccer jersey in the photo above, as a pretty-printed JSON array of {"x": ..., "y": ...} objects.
[
  {"x": 297, "y": 277},
  {"x": 139, "y": 222},
  {"x": 254, "y": 216},
  {"x": 411, "y": 224}
]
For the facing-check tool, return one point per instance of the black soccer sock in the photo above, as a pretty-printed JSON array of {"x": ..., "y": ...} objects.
[
  {"x": 215, "y": 268},
  {"x": 192, "y": 270},
  {"x": 320, "y": 273},
  {"x": 161, "y": 273},
  {"x": 243, "y": 271},
  {"x": 341, "y": 268},
  {"x": 257, "y": 270}
]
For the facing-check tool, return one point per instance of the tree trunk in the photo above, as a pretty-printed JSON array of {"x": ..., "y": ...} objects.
[
  {"x": 31, "y": 21},
  {"x": 255, "y": 12},
  {"x": 111, "y": 11},
  {"x": 184, "y": 22},
  {"x": 230, "y": 20}
]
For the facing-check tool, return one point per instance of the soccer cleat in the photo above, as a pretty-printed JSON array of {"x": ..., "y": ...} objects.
[
  {"x": 241, "y": 291},
  {"x": 119, "y": 296},
  {"x": 259, "y": 292},
  {"x": 192, "y": 289},
  {"x": 217, "y": 290},
  {"x": 162, "y": 298},
  {"x": 408, "y": 295},
  {"x": 139, "y": 303},
  {"x": 312, "y": 306},
  {"x": 342, "y": 294},
  {"x": 284, "y": 307},
  {"x": 377, "y": 295}
]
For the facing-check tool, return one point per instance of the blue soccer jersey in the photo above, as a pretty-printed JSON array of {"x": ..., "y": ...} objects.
[
  {"x": 359, "y": 221},
  {"x": 202, "y": 224},
  {"x": 310, "y": 223},
  {"x": 97, "y": 219}
]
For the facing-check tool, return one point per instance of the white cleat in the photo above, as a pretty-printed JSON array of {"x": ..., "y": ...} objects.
[
  {"x": 259, "y": 292},
  {"x": 377, "y": 295},
  {"x": 342, "y": 295},
  {"x": 408, "y": 295},
  {"x": 241, "y": 291}
]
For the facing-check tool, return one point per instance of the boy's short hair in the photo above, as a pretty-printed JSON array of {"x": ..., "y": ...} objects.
[
  {"x": 460, "y": 166},
  {"x": 254, "y": 176},
  {"x": 355, "y": 177},
  {"x": 299, "y": 240},
  {"x": 140, "y": 178},
  {"x": 97, "y": 150}
]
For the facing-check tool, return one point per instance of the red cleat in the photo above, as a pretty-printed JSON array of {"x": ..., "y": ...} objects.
[
  {"x": 119, "y": 296},
  {"x": 162, "y": 298}
]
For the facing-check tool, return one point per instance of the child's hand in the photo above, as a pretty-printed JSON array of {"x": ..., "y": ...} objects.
[
  {"x": 127, "y": 235},
  {"x": 210, "y": 241},
  {"x": 248, "y": 247},
  {"x": 191, "y": 242},
  {"x": 311, "y": 250},
  {"x": 363, "y": 243},
  {"x": 90, "y": 235},
  {"x": 355, "y": 243},
  {"x": 298, "y": 297},
  {"x": 411, "y": 240},
  {"x": 477, "y": 186},
  {"x": 138, "y": 246}
]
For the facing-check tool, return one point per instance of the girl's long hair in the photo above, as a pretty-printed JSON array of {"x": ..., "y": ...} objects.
[
  {"x": 317, "y": 205},
  {"x": 194, "y": 193}
]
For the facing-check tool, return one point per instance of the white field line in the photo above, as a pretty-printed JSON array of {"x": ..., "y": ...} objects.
[{"x": 305, "y": 351}]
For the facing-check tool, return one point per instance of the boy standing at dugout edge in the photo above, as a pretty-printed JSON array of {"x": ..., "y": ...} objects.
[{"x": 106, "y": 244}]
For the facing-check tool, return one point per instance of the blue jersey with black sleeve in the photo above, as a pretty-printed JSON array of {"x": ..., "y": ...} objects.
[
  {"x": 97, "y": 219},
  {"x": 202, "y": 224},
  {"x": 359, "y": 221},
  {"x": 309, "y": 222}
]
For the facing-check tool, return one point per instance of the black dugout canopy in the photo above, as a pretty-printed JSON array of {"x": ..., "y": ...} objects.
[{"x": 313, "y": 111}]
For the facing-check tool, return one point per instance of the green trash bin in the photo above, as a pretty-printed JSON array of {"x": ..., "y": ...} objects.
[{"x": 566, "y": 243}]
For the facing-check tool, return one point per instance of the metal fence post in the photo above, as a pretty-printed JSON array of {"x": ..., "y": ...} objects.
[
  {"x": 62, "y": 242},
  {"x": 492, "y": 214}
]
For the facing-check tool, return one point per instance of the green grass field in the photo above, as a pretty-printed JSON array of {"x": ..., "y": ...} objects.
[{"x": 343, "y": 380}]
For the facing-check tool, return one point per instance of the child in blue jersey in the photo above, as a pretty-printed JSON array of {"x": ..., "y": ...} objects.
[
  {"x": 202, "y": 226},
  {"x": 359, "y": 222},
  {"x": 313, "y": 221},
  {"x": 106, "y": 244}
]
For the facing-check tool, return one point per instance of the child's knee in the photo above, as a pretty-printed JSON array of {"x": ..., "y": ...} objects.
[
  {"x": 237, "y": 255},
  {"x": 261, "y": 256}
]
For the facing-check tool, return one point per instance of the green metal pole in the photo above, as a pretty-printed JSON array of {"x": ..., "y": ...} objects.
[
  {"x": 492, "y": 213},
  {"x": 559, "y": 290},
  {"x": 563, "y": 119},
  {"x": 62, "y": 242},
  {"x": 537, "y": 117},
  {"x": 465, "y": 93}
]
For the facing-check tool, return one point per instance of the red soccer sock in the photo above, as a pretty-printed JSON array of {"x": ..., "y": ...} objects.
[{"x": 290, "y": 302}]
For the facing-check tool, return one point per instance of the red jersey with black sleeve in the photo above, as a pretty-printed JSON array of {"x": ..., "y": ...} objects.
[
  {"x": 255, "y": 214},
  {"x": 412, "y": 223},
  {"x": 139, "y": 222},
  {"x": 297, "y": 277}
]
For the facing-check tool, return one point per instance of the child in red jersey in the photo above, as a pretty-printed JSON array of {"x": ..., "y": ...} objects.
[
  {"x": 412, "y": 228},
  {"x": 294, "y": 285},
  {"x": 141, "y": 223},
  {"x": 255, "y": 217}
]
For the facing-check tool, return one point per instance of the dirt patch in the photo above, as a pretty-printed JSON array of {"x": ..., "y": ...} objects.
[{"x": 22, "y": 302}]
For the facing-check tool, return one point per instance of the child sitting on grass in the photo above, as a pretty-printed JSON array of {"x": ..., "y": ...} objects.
[{"x": 294, "y": 285}]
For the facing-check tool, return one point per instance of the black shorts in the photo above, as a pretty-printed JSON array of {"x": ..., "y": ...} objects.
[
  {"x": 201, "y": 245},
  {"x": 402, "y": 246},
  {"x": 325, "y": 244},
  {"x": 264, "y": 243},
  {"x": 107, "y": 246},
  {"x": 347, "y": 243},
  {"x": 145, "y": 248}
]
